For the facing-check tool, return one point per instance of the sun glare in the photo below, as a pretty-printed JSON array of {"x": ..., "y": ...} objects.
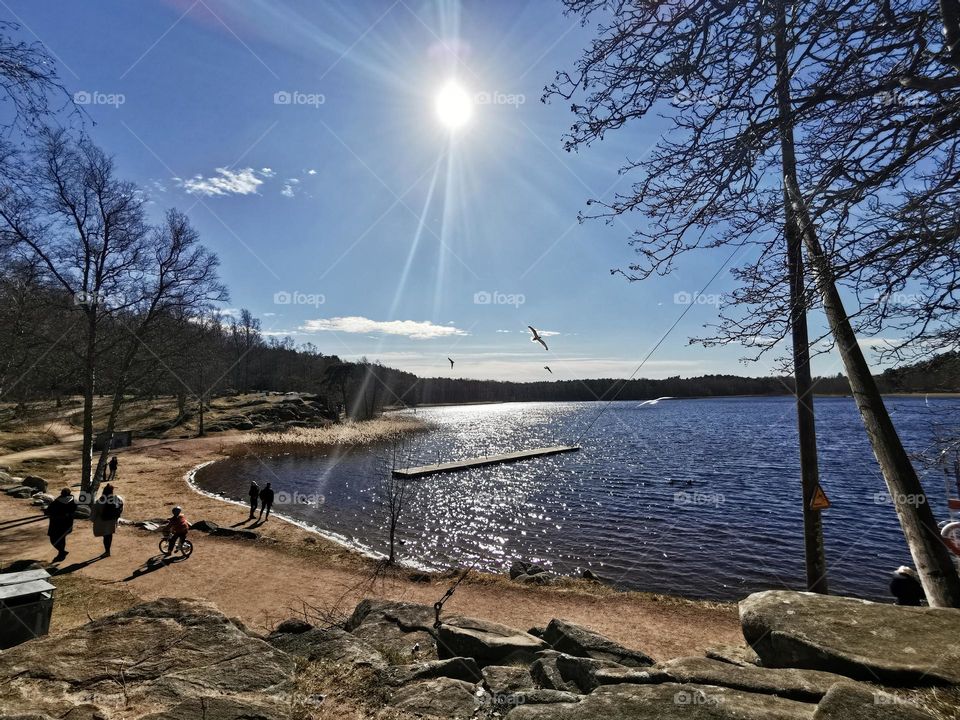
[{"x": 454, "y": 105}]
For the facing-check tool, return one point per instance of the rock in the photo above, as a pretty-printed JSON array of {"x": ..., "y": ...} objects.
[
  {"x": 573, "y": 639},
  {"x": 537, "y": 631},
  {"x": 36, "y": 482},
  {"x": 668, "y": 701},
  {"x": 805, "y": 685},
  {"x": 538, "y": 697},
  {"x": 333, "y": 645},
  {"x": 506, "y": 679},
  {"x": 207, "y": 526},
  {"x": 292, "y": 625},
  {"x": 82, "y": 513},
  {"x": 465, "y": 669},
  {"x": 588, "y": 574},
  {"x": 620, "y": 674},
  {"x": 545, "y": 674},
  {"x": 541, "y": 578},
  {"x": 580, "y": 670},
  {"x": 852, "y": 701},
  {"x": 735, "y": 655},
  {"x": 157, "y": 655},
  {"x": 486, "y": 642},
  {"x": 395, "y": 628},
  {"x": 221, "y": 709},
  {"x": 520, "y": 567},
  {"x": 891, "y": 644},
  {"x": 442, "y": 697},
  {"x": 21, "y": 492}
]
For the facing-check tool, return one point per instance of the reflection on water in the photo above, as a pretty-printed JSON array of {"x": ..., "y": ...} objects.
[{"x": 692, "y": 497}]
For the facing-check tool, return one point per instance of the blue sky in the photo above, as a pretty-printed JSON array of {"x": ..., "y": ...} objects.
[{"x": 303, "y": 140}]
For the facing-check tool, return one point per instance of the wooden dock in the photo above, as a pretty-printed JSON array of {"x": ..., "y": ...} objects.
[{"x": 413, "y": 472}]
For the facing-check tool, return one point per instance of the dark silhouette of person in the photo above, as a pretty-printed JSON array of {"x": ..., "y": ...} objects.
[
  {"x": 254, "y": 494},
  {"x": 106, "y": 516},
  {"x": 113, "y": 468},
  {"x": 266, "y": 500},
  {"x": 61, "y": 512},
  {"x": 906, "y": 587}
]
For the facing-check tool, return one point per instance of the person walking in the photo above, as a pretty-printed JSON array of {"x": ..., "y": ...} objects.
[
  {"x": 254, "y": 494},
  {"x": 106, "y": 515},
  {"x": 113, "y": 468},
  {"x": 61, "y": 512},
  {"x": 266, "y": 500}
]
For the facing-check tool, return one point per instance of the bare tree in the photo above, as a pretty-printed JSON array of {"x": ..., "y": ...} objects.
[
  {"x": 392, "y": 495},
  {"x": 745, "y": 80}
]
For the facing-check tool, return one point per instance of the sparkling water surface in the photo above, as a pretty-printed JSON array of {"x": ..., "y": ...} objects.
[{"x": 692, "y": 497}]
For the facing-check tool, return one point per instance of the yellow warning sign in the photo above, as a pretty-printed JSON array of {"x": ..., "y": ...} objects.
[{"x": 819, "y": 501}]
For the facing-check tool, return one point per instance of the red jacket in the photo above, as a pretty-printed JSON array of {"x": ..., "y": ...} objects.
[{"x": 178, "y": 525}]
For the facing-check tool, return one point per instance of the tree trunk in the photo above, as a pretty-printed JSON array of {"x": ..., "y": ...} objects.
[
  {"x": 89, "y": 379},
  {"x": 816, "y": 563},
  {"x": 934, "y": 565}
]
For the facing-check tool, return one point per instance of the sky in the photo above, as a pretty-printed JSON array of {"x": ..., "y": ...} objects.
[{"x": 305, "y": 142}]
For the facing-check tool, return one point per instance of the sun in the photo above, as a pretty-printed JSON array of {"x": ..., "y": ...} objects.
[{"x": 454, "y": 105}]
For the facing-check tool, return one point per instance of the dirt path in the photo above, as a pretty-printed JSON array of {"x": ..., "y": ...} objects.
[{"x": 266, "y": 580}]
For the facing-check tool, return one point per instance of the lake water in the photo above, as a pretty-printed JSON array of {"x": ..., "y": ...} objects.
[{"x": 693, "y": 497}]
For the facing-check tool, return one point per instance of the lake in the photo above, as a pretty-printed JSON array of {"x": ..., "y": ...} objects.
[{"x": 696, "y": 497}]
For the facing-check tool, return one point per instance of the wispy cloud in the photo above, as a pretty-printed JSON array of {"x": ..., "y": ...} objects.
[
  {"x": 225, "y": 182},
  {"x": 412, "y": 329}
]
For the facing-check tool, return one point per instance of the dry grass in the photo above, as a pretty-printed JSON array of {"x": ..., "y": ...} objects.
[{"x": 384, "y": 429}]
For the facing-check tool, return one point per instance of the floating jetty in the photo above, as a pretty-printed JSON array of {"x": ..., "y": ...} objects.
[{"x": 413, "y": 472}]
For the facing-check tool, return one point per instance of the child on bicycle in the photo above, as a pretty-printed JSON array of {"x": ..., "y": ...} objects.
[{"x": 176, "y": 527}]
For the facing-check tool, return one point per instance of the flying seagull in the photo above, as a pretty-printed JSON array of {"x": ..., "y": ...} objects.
[
  {"x": 451, "y": 363},
  {"x": 536, "y": 337},
  {"x": 547, "y": 368}
]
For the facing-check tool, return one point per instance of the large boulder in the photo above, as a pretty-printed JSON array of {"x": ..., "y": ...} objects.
[
  {"x": 521, "y": 567},
  {"x": 734, "y": 654},
  {"x": 20, "y": 492},
  {"x": 581, "y": 670},
  {"x": 576, "y": 640},
  {"x": 506, "y": 679},
  {"x": 401, "y": 631},
  {"x": 331, "y": 644},
  {"x": 486, "y": 642},
  {"x": 441, "y": 697},
  {"x": 465, "y": 669},
  {"x": 154, "y": 656},
  {"x": 545, "y": 673},
  {"x": 853, "y": 701},
  {"x": 36, "y": 482},
  {"x": 891, "y": 644},
  {"x": 805, "y": 685},
  {"x": 668, "y": 701}
]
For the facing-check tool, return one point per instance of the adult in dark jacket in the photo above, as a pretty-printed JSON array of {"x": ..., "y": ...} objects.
[
  {"x": 254, "y": 494},
  {"x": 266, "y": 500},
  {"x": 61, "y": 512},
  {"x": 106, "y": 516},
  {"x": 906, "y": 587}
]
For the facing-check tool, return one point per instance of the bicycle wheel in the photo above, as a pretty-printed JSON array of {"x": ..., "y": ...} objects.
[
  {"x": 186, "y": 548},
  {"x": 164, "y": 545}
]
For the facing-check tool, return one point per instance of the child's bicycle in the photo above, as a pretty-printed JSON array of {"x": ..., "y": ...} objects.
[{"x": 185, "y": 549}]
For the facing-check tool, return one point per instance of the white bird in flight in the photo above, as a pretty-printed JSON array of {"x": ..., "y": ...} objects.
[{"x": 536, "y": 337}]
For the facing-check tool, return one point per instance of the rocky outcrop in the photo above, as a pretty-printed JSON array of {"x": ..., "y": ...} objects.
[
  {"x": 853, "y": 701},
  {"x": 668, "y": 701},
  {"x": 487, "y": 642},
  {"x": 35, "y": 482},
  {"x": 896, "y": 645},
  {"x": 328, "y": 644},
  {"x": 573, "y": 639},
  {"x": 399, "y": 630},
  {"x": 442, "y": 697},
  {"x": 162, "y": 655}
]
